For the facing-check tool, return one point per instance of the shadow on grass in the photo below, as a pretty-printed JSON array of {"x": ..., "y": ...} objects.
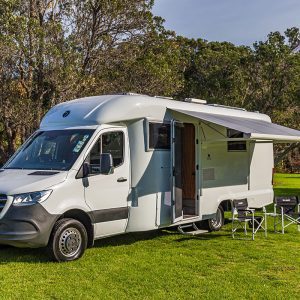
[
  {"x": 10, "y": 254},
  {"x": 286, "y": 191},
  {"x": 130, "y": 238}
]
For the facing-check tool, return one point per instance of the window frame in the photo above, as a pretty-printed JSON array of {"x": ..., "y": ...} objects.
[
  {"x": 236, "y": 141},
  {"x": 96, "y": 141},
  {"x": 123, "y": 150},
  {"x": 147, "y": 130}
]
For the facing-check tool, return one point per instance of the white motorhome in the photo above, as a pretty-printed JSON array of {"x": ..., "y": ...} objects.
[{"x": 106, "y": 165}]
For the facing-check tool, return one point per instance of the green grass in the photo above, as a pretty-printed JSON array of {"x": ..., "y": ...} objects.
[
  {"x": 287, "y": 184},
  {"x": 164, "y": 265}
]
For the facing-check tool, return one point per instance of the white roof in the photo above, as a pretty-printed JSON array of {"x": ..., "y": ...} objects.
[
  {"x": 107, "y": 109},
  {"x": 92, "y": 111}
]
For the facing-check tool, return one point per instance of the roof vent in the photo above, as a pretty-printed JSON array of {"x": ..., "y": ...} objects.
[
  {"x": 130, "y": 94},
  {"x": 163, "y": 97},
  {"x": 194, "y": 100}
]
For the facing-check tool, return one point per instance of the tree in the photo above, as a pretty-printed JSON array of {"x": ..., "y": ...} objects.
[
  {"x": 55, "y": 50},
  {"x": 215, "y": 72}
]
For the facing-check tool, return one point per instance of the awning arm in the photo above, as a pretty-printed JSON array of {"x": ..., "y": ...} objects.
[
  {"x": 281, "y": 155},
  {"x": 238, "y": 140}
]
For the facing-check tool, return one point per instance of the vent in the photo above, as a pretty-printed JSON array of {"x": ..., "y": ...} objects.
[
  {"x": 163, "y": 97},
  {"x": 3, "y": 199},
  {"x": 43, "y": 173},
  {"x": 194, "y": 100},
  {"x": 129, "y": 94},
  {"x": 208, "y": 174}
]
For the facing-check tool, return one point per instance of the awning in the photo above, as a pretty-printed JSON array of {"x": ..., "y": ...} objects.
[{"x": 252, "y": 129}]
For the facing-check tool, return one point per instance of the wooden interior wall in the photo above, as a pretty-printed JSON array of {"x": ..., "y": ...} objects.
[{"x": 188, "y": 162}]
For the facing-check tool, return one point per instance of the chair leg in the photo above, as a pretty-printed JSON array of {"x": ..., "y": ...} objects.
[
  {"x": 266, "y": 224},
  {"x": 253, "y": 232},
  {"x": 298, "y": 226},
  {"x": 282, "y": 221},
  {"x": 275, "y": 218},
  {"x": 266, "y": 227}
]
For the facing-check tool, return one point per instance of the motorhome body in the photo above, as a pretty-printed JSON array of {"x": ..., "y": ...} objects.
[{"x": 169, "y": 163}]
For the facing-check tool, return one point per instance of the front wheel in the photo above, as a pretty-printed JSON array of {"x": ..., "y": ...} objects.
[
  {"x": 68, "y": 240},
  {"x": 216, "y": 223}
]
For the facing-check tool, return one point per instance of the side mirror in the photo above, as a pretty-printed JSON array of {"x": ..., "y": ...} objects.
[
  {"x": 85, "y": 169},
  {"x": 106, "y": 164}
]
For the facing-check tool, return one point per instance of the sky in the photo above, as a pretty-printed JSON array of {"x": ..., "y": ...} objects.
[{"x": 241, "y": 22}]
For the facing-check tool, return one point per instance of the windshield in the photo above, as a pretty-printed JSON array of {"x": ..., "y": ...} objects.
[{"x": 51, "y": 150}]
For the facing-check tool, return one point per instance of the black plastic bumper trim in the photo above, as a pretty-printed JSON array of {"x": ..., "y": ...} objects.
[
  {"x": 106, "y": 215},
  {"x": 26, "y": 226}
]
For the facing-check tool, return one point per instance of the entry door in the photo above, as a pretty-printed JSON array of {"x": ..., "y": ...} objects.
[
  {"x": 176, "y": 156},
  {"x": 107, "y": 195}
]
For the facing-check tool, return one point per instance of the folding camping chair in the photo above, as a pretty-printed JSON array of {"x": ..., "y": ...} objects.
[
  {"x": 287, "y": 208},
  {"x": 243, "y": 215}
]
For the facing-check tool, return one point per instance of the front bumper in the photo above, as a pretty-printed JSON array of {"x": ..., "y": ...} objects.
[{"x": 26, "y": 226}]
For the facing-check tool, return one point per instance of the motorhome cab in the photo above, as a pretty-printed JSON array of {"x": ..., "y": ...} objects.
[{"x": 106, "y": 165}]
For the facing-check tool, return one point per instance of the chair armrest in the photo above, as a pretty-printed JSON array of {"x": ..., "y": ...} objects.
[
  {"x": 249, "y": 210},
  {"x": 263, "y": 209},
  {"x": 272, "y": 214}
]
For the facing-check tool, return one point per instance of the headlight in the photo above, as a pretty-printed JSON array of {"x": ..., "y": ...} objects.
[{"x": 31, "y": 198}]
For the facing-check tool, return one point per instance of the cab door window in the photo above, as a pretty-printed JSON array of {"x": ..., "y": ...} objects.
[{"x": 109, "y": 142}]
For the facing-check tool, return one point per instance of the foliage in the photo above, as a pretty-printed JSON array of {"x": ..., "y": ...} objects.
[
  {"x": 54, "y": 50},
  {"x": 264, "y": 78}
]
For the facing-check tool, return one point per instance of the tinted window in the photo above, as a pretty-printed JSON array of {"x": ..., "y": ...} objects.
[
  {"x": 159, "y": 136},
  {"x": 51, "y": 150},
  {"x": 236, "y": 145},
  {"x": 111, "y": 142}
]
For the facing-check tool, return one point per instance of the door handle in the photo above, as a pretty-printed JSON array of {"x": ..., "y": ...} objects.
[{"x": 121, "y": 179}]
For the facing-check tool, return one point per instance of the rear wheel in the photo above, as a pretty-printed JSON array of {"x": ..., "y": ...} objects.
[
  {"x": 216, "y": 223},
  {"x": 68, "y": 240}
]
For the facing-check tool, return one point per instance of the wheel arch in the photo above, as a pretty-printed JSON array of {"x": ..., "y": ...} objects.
[
  {"x": 84, "y": 218},
  {"x": 226, "y": 205}
]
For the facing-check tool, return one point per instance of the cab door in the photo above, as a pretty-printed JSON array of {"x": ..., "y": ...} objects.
[
  {"x": 106, "y": 195},
  {"x": 176, "y": 157}
]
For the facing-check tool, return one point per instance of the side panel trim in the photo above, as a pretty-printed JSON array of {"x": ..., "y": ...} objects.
[{"x": 106, "y": 215}]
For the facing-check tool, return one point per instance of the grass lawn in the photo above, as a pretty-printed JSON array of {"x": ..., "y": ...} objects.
[{"x": 164, "y": 265}]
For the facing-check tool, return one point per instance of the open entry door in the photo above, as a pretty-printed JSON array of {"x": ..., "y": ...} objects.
[{"x": 176, "y": 156}]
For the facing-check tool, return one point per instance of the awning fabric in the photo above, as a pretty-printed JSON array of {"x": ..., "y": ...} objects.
[{"x": 253, "y": 129}]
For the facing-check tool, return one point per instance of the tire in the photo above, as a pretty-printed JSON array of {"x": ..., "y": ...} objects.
[
  {"x": 217, "y": 223},
  {"x": 213, "y": 224},
  {"x": 68, "y": 240}
]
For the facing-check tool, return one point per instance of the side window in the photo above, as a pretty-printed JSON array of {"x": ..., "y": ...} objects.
[
  {"x": 113, "y": 143},
  {"x": 236, "y": 145},
  {"x": 110, "y": 142},
  {"x": 159, "y": 136}
]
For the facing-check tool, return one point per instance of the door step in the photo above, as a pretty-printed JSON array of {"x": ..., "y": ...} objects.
[{"x": 195, "y": 230}]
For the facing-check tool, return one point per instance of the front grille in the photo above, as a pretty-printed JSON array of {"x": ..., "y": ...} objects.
[{"x": 3, "y": 199}]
